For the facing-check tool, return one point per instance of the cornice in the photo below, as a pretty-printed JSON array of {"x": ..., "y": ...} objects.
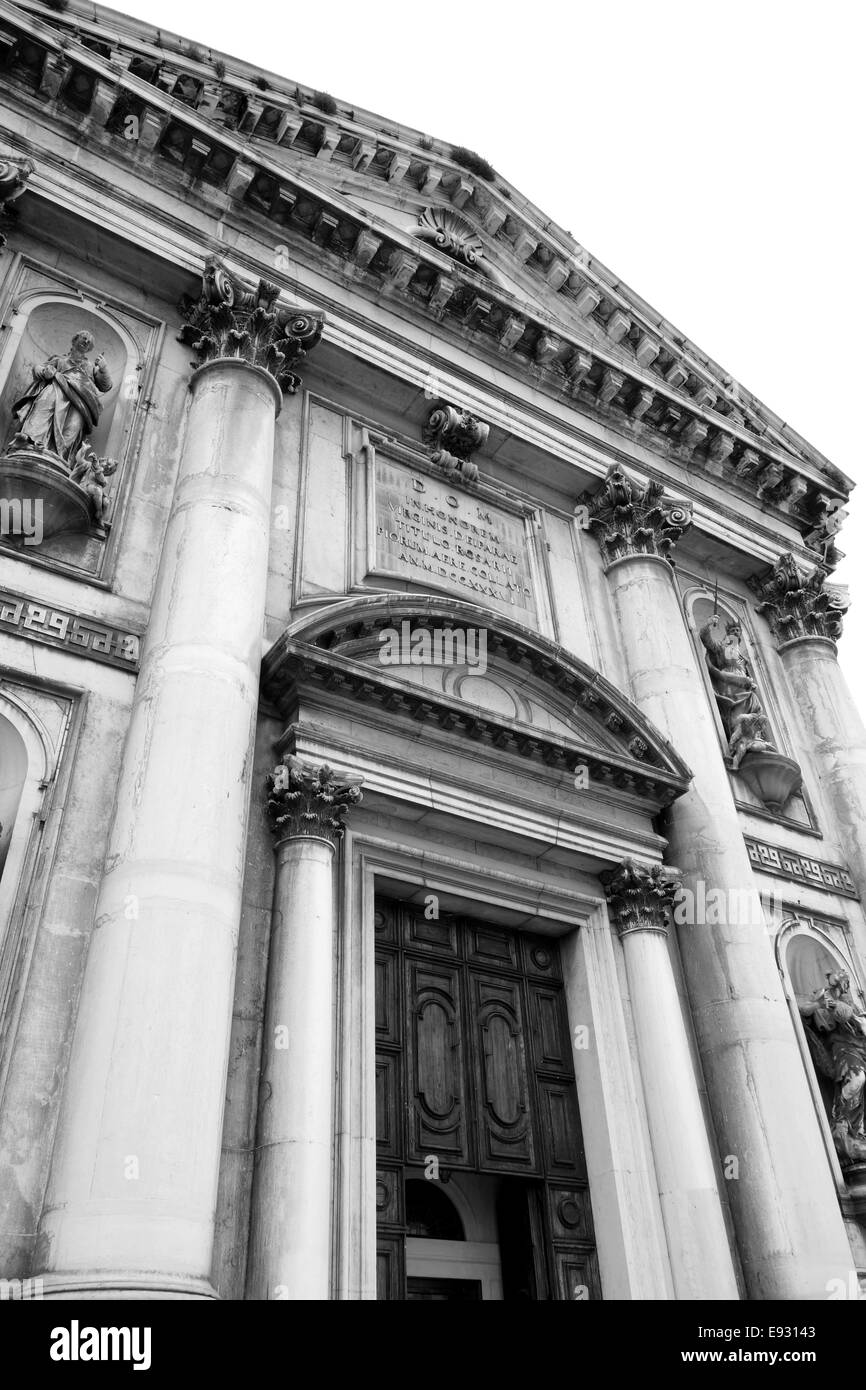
[
  {"x": 633, "y": 385},
  {"x": 406, "y": 158},
  {"x": 173, "y": 238}
]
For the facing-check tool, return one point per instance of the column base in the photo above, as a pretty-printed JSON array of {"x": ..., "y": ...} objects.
[{"x": 120, "y": 1285}]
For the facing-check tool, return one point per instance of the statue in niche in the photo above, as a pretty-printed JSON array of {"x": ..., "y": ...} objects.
[
  {"x": 60, "y": 410},
  {"x": 744, "y": 721},
  {"x": 836, "y": 1033},
  {"x": 92, "y": 474}
]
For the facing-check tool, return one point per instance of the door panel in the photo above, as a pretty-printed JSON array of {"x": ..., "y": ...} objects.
[
  {"x": 505, "y": 1138},
  {"x": 437, "y": 1085},
  {"x": 390, "y": 1267},
  {"x": 560, "y": 1126},
  {"x": 389, "y": 1128},
  {"x": 388, "y": 1007},
  {"x": 550, "y": 1040}
]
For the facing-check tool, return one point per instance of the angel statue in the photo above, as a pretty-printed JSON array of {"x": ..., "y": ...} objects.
[
  {"x": 60, "y": 409},
  {"x": 92, "y": 474},
  {"x": 836, "y": 1033},
  {"x": 744, "y": 721}
]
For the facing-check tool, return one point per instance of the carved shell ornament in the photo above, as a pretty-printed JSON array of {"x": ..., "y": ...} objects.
[{"x": 451, "y": 233}]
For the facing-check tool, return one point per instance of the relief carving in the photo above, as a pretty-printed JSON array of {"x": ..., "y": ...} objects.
[{"x": 454, "y": 436}]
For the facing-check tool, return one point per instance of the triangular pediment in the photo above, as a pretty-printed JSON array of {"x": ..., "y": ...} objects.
[{"x": 335, "y": 181}]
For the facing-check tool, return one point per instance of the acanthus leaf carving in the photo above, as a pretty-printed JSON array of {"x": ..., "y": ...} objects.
[
  {"x": 234, "y": 319},
  {"x": 309, "y": 800},
  {"x": 632, "y": 518},
  {"x": 640, "y": 896},
  {"x": 797, "y": 604}
]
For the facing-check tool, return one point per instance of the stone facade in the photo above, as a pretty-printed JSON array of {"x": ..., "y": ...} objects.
[{"x": 363, "y": 541}]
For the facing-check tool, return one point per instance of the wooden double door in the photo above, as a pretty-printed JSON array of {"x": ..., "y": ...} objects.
[{"x": 474, "y": 1076}]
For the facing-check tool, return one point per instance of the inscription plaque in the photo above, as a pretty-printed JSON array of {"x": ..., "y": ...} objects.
[{"x": 430, "y": 533}]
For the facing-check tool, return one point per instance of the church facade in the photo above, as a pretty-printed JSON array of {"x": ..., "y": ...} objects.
[{"x": 432, "y": 811}]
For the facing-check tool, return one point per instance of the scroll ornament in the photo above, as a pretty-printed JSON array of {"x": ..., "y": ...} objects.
[{"x": 233, "y": 319}]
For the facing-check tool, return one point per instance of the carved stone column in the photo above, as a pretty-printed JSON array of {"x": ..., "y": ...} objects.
[
  {"x": 789, "y": 1228},
  {"x": 132, "y": 1191},
  {"x": 805, "y": 614},
  {"x": 290, "y": 1227},
  {"x": 639, "y": 901}
]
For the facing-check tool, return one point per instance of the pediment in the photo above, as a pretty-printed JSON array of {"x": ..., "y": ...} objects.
[
  {"x": 515, "y": 692},
  {"x": 335, "y": 181}
]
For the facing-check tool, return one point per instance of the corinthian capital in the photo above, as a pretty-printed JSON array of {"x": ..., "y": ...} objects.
[
  {"x": 797, "y": 604},
  {"x": 639, "y": 897},
  {"x": 234, "y": 319},
  {"x": 631, "y": 518},
  {"x": 304, "y": 800}
]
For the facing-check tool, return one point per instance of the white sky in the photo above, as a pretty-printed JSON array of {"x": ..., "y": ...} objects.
[{"x": 711, "y": 154}]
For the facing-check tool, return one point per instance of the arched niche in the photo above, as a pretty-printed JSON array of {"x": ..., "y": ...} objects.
[
  {"x": 42, "y": 326},
  {"x": 808, "y": 958},
  {"x": 47, "y": 331},
  {"x": 13, "y": 774},
  {"x": 772, "y": 779}
]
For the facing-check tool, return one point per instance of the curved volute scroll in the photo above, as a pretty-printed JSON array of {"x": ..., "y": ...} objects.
[{"x": 234, "y": 319}]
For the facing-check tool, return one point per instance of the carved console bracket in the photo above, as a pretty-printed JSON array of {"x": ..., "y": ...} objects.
[
  {"x": 305, "y": 800},
  {"x": 14, "y": 174},
  {"x": 631, "y": 518},
  {"x": 454, "y": 435},
  {"x": 234, "y": 319},
  {"x": 797, "y": 604},
  {"x": 640, "y": 897}
]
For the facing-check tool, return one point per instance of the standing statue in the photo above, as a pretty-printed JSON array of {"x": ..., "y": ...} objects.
[
  {"x": 61, "y": 408},
  {"x": 92, "y": 474},
  {"x": 836, "y": 1032},
  {"x": 744, "y": 721}
]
